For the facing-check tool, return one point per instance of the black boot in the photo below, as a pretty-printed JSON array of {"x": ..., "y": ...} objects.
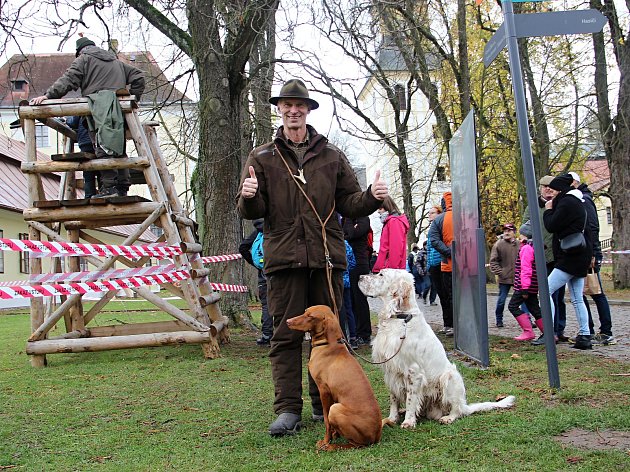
[{"x": 583, "y": 341}]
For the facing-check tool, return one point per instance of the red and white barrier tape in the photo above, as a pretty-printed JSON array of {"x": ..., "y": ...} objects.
[
  {"x": 223, "y": 258},
  {"x": 90, "y": 276},
  {"x": 51, "y": 248},
  {"x": 50, "y": 290}
]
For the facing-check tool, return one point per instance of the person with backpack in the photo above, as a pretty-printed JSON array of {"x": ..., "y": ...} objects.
[
  {"x": 251, "y": 250},
  {"x": 413, "y": 269}
]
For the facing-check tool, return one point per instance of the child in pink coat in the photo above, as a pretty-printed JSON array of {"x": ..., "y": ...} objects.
[{"x": 525, "y": 286}]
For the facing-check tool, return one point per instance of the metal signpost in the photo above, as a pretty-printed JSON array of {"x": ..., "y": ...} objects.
[{"x": 521, "y": 26}]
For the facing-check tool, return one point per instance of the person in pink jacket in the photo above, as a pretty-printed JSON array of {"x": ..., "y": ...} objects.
[
  {"x": 392, "y": 252},
  {"x": 525, "y": 286}
]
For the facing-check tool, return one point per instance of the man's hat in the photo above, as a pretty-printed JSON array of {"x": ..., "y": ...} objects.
[
  {"x": 575, "y": 176},
  {"x": 546, "y": 180},
  {"x": 562, "y": 183},
  {"x": 295, "y": 88},
  {"x": 83, "y": 42},
  {"x": 509, "y": 226}
]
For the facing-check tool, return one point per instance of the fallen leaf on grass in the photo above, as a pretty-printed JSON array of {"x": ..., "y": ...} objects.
[
  {"x": 101, "y": 459},
  {"x": 515, "y": 356},
  {"x": 574, "y": 459},
  {"x": 5, "y": 467}
]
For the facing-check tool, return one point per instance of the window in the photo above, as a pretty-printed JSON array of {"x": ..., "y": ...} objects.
[
  {"x": 18, "y": 85},
  {"x": 399, "y": 90},
  {"x": 609, "y": 215},
  {"x": 1, "y": 254},
  {"x": 441, "y": 174},
  {"x": 155, "y": 229},
  {"x": 24, "y": 262},
  {"x": 41, "y": 136}
]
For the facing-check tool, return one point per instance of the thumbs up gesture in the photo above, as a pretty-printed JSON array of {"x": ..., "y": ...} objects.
[
  {"x": 250, "y": 184},
  {"x": 379, "y": 187}
]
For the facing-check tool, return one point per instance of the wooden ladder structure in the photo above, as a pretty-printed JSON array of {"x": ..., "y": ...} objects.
[{"x": 204, "y": 324}]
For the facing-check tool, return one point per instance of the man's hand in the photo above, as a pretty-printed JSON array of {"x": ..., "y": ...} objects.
[
  {"x": 250, "y": 184},
  {"x": 549, "y": 204},
  {"x": 38, "y": 100},
  {"x": 379, "y": 187}
]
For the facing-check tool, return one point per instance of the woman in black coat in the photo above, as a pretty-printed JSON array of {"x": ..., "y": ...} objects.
[{"x": 565, "y": 214}]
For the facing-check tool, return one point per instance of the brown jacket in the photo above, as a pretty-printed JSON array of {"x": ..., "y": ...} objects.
[
  {"x": 292, "y": 232},
  {"x": 502, "y": 260},
  {"x": 94, "y": 70}
]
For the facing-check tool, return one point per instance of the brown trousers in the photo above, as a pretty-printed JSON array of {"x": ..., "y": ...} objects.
[{"x": 289, "y": 293}]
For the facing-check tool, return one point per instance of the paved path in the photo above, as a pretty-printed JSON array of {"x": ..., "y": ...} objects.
[{"x": 620, "y": 321}]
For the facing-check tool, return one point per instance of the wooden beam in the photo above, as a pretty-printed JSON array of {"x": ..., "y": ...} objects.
[
  {"x": 182, "y": 220},
  {"x": 211, "y": 299},
  {"x": 41, "y": 167},
  {"x": 66, "y": 107},
  {"x": 138, "y": 328},
  {"x": 198, "y": 273},
  {"x": 35, "y": 192},
  {"x": 60, "y": 127},
  {"x": 48, "y": 346},
  {"x": 91, "y": 212},
  {"x": 190, "y": 247}
]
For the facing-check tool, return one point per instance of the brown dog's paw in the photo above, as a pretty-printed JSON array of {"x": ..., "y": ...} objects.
[{"x": 322, "y": 445}]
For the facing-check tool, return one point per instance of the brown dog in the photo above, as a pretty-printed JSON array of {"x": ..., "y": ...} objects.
[{"x": 350, "y": 407}]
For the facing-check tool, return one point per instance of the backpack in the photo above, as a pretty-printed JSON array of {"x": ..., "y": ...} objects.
[
  {"x": 419, "y": 262},
  {"x": 370, "y": 242},
  {"x": 257, "y": 252}
]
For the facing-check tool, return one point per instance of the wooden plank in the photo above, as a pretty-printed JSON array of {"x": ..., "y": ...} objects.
[
  {"x": 90, "y": 212},
  {"x": 41, "y": 167},
  {"x": 73, "y": 156},
  {"x": 47, "y": 204},
  {"x": 138, "y": 328},
  {"x": 51, "y": 346}
]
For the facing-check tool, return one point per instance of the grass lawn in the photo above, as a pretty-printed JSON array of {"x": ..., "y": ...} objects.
[{"x": 170, "y": 409}]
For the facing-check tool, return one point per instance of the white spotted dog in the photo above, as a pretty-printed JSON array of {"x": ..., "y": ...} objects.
[{"x": 421, "y": 379}]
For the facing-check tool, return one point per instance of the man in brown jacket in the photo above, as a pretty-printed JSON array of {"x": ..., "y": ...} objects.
[
  {"x": 296, "y": 183},
  {"x": 502, "y": 260},
  {"x": 94, "y": 70}
]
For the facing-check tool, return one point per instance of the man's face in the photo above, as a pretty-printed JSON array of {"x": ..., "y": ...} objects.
[
  {"x": 546, "y": 192},
  {"x": 294, "y": 112},
  {"x": 553, "y": 193},
  {"x": 508, "y": 234},
  {"x": 432, "y": 214}
]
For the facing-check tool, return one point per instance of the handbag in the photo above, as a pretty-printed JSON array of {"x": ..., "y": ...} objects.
[
  {"x": 591, "y": 284},
  {"x": 575, "y": 242}
]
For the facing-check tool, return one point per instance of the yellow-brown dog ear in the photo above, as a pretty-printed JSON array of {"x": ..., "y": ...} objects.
[{"x": 402, "y": 295}]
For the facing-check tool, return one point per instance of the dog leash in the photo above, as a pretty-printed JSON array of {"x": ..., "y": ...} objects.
[
  {"x": 329, "y": 266},
  {"x": 406, "y": 317}
]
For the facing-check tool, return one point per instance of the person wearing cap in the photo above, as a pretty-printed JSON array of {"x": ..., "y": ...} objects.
[
  {"x": 502, "y": 258},
  {"x": 296, "y": 183},
  {"x": 560, "y": 320},
  {"x": 566, "y": 214},
  {"x": 525, "y": 286},
  {"x": 605, "y": 335},
  {"x": 93, "y": 71}
]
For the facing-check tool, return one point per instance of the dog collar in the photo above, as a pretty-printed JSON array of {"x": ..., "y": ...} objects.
[
  {"x": 405, "y": 316},
  {"x": 324, "y": 342}
]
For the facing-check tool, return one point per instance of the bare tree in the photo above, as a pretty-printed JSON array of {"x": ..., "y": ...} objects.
[{"x": 615, "y": 131}]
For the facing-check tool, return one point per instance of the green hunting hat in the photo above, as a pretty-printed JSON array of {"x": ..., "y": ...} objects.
[
  {"x": 295, "y": 88},
  {"x": 81, "y": 43}
]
